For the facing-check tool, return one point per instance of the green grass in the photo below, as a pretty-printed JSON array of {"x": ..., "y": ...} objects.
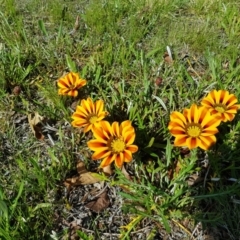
[{"x": 119, "y": 49}]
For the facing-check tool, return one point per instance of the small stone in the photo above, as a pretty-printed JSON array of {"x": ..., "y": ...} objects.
[
  {"x": 158, "y": 81},
  {"x": 16, "y": 90}
]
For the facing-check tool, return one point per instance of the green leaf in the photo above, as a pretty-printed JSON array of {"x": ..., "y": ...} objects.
[
  {"x": 3, "y": 209},
  {"x": 42, "y": 27},
  {"x": 71, "y": 65},
  {"x": 150, "y": 142},
  {"x": 83, "y": 235},
  {"x": 15, "y": 202},
  {"x": 161, "y": 102},
  {"x": 42, "y": 205}
]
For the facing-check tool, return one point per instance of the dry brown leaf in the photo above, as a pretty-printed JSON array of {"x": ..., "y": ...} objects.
[
  {"x": 84, "y": 177},
  {"x": 174, "y": 169},
  {"x": 81, "y": 167},
  {"x": 167, "y": 58},
  {"x": 76, "y": 26},
  {"x": 194, "y": 179},
  {"x": 88, "y": 178},
  {"x": 107, "y": 170},
  {"x": 125, "y": 173},
  {"x": 34, "y": 121},
  {"x": 100, "y": 203}
]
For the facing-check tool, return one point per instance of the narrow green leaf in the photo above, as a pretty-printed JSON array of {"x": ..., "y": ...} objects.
[
  {"x": 83, "y": 235},
  {"x": 150, "y": 142},
  {"x": 42, "y": 205},
  {"x": 3, "y": 209},
  {"x": 42, "y": 27},
  {"x": 161, "y": 102},
  {"x": 15, "y": 202},
  {"x": 71, "y": 65}
]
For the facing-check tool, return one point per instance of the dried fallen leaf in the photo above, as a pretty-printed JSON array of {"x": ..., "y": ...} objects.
[
  {"x": 84, "y": 177},
  {"x": 194, "y": 179},
  {"x": 88, "y": 178},
  {"x": 76, "y": 26},
  {"x": 167, "y": 58},
  {"x": 174, "y": 169},
  {"x": 100, "y": 203},
  {"x": 81, "y": 167},
  {"x": 34, "y": 121},
  {"x": 125, "y": 173},
  {"x": 107, "y": 170},
  {"x": 74, "y": 105}
]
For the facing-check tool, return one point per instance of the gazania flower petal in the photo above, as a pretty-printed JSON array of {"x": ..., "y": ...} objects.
[
  {"x": 127, "y": 156},
  {"x": 203, "y": 113},
  {"x": 176, "y": 122},
  {"x": 87, "y": 128},
  {"x": 81, "y": 84},
  {"x": 107, "y": 160},
  {"x": 125, "y": 124},
  {"x": 207, "y": 142},
  {"x": 127, "y": 130},
  {"x": 193, "y": 114},
  {"x": 233, "y": 109},
  {"x": 177, "y": 130},
  {"x": 116, "y": 130},
  {"x": 129, "y": 137},
  {"x": 79, "y": 123},
  {"x": 86, "y": 104},
  {"x": 113, "y": 143},
  {"x": 69, "y": 84},
  {"x": 199, "y": 126},
  {"x": 209, "y": 132},
  {"x": 192, "y": 142},
  {"x": 228, "y": 99},
  {"x": 217, "y": 96},
  {"x": 180, "y": 141},
  {"x": 232, "y": 101},
  {"x": 107, "y": 128},
  {"x": 102, "y": 115},
  {"x": 98, "y": 133},
  {"x": 227, "y": 117},
  {"x": 178, "y": 116},
  {"x": 219, "y": 103},
  {"x": 62, "y": 84},
  {"x": 81, "y": 111},
  {"x": 101, "y": 153},
  {"x": 99, "y": 107},
  {"x": 73, "y": 93},
  {"x": 86, "y": 116},
  {"x": 95, "y": 144},
  {"x": 207, "y": 102},
  {"x": 132, "y": 148},
  {"x": 119, "y": 160}
]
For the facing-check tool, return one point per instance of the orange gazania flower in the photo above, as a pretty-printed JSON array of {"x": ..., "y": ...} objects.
[
  {"x": 113, "y": 143},
  {"x": 89, "y": 114},
  {"x": 194, "y": 128},
  {"x": 221, "y": 104},
  {"x": 70, "y": 83}
]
